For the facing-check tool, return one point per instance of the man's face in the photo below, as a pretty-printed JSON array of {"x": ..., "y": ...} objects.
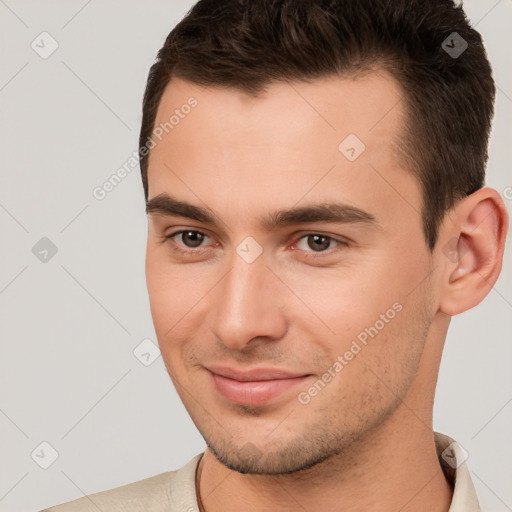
[{"x": 340, "y": 306}]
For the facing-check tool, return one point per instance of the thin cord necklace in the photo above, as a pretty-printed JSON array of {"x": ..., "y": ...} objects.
[{"x": 198, "y": 494}]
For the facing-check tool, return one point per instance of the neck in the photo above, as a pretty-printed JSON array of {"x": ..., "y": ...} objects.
[{"x": 389, "y": 471}]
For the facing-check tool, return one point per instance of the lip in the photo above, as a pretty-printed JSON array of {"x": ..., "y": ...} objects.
[{"x": 256, "y": 386}]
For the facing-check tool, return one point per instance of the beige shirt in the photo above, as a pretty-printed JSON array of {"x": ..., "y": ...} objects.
[{"x": 176, "y": 491}]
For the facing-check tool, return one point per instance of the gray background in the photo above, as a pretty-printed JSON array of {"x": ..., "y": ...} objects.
[{"x": 68, "y": 374}]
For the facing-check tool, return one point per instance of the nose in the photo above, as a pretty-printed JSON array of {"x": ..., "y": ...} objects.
[{"x": 248, "y": 305}]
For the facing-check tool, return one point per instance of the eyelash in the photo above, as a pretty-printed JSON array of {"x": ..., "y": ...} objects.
[{"x": 307, "y": 254}]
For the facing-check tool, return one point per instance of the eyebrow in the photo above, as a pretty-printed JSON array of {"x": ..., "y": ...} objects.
[{"x": 164, "y": 204}]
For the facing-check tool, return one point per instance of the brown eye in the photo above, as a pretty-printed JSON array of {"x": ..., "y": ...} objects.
[
  {"x": 317, "y": 245},
  {"x": 318, "y": 242},
  {"x": 192, "y": 238}
]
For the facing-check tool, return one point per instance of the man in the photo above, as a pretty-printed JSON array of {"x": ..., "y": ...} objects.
[{"x": 314, "y": 177}]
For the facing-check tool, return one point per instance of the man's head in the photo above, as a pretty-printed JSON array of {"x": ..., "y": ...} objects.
[
  {"x": 316, "y": 213},
  {"x": 448, "y": 101}
]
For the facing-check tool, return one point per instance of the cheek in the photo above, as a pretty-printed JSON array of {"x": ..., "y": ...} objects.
[
  {"x": 372, "y": 309},
  {"x": 178, "y": 296},
  {"x": 343, "y": 302},
  {"x": 170, "y": 293},
  {"x": 375, "y": 359}
]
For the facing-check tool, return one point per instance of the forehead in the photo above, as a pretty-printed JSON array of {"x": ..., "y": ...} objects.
[
  {"x": 332, "y": 137},
  {"x": 364, "y": 104}
]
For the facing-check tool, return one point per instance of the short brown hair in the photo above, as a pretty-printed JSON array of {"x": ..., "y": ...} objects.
[{"x": 246, "y": 44}]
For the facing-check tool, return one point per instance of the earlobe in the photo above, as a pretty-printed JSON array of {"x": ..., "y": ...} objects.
[{"x": 473, "y": 253}]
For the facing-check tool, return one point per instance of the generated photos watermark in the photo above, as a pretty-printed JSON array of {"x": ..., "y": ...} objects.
[
  {"x": 361, "y": 340},
  {"x": 132, "y": 162}
]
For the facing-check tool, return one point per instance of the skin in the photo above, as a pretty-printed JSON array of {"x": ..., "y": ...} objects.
[{"x": 365, "y": 441}]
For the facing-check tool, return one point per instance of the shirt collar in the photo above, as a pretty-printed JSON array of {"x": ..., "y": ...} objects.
[{"x": 453, "y": 462}]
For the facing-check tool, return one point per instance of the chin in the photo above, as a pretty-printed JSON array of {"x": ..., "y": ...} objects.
[{"x": 250, "y": 459}]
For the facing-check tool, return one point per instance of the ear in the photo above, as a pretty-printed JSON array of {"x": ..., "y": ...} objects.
[{"x": 471, "y": 246}]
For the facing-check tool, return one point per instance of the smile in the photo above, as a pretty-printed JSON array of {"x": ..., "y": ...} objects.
[{"x": 256, "y": 387}]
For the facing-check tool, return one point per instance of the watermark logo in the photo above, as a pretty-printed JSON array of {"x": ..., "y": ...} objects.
[
  {"x": 454, "y": 455},
  {"x": 44, "y": 45},
  {"x": 453, "y": 250},
  {"x": 44, "y": 250},
  {"x": 44, "y": 455},
  {"x": 351, "y": 147},
  {"x": 454, "y": 45},
  {"x": 250, "y": 452},
  {"x": 249, "y": 249},
  {"x": 147, "y": 352}
]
